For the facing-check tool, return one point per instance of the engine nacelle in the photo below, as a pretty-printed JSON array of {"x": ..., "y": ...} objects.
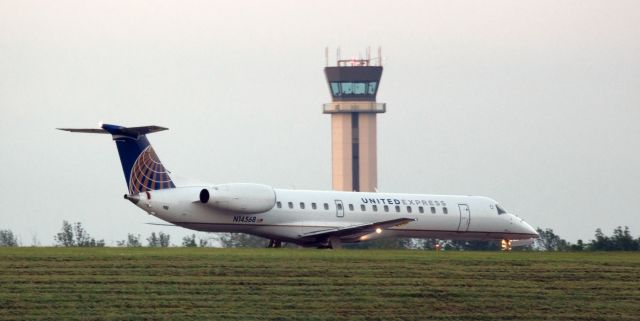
[{"x": 240, "y": 197}]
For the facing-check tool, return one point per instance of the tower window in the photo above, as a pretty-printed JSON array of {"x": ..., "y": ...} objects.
[{"x": 353, "y": 89}]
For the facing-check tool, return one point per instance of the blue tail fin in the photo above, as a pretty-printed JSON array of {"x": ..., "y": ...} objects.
[{"x": 142, "y": 168}]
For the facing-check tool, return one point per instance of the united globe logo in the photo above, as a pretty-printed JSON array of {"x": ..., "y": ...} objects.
[{"x": 148, "y": 174}]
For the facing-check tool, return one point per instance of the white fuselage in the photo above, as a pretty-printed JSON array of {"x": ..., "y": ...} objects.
[{"x": 296, "y": 213}]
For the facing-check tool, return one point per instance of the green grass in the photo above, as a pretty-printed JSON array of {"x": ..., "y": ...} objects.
[{"x": 303, "y": 284}]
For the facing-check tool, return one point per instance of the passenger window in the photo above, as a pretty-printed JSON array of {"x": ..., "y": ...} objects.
[
  {"x": 420, "y": 209},
  {"x": 445, "y": 210},
  {"x": 386, "y": 208},
  {"x": 408, "y": 209},
  {"x": 351, "y": 207},
  {"x": 313, "y": 206},
  {"x": 398, "y": 208},
  {"x": 290, "y": 204},
  {"x": 326, "y": 206},
  {"x": 279, "y": 204},
  {"x": 433, "y": 210},
  {"x": 301, "y": 205},
  {"x": 374, "y": 207},
  {"x": 363, "y": 207}
]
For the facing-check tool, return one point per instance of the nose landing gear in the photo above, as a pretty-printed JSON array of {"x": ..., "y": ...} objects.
[{"x": 506, "y": 245}]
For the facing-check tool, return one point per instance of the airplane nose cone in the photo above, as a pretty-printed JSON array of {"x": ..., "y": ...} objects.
[{"x": 530, "y": 230}]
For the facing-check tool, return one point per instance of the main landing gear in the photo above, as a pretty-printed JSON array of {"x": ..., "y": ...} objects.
[
  {"x": 506, "y": 245},
  {"x": 331, "y": 243},
  {"x": 274, "y": 244}
]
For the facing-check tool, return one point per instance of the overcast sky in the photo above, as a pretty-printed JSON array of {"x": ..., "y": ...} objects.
[{"x": 533, "y": 103}]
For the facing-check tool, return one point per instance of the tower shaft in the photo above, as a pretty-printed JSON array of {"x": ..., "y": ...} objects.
[{"x": 354, "y": 152}]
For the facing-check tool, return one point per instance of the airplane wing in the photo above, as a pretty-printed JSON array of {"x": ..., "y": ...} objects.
[{"x": 356, "y": 229}]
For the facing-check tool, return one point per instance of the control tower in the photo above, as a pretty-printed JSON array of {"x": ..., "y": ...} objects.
[{"x": 353, "y": 84}]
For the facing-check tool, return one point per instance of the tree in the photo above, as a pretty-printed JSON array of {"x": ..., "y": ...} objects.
[
  {"x": 235, "y": 240},
  {"x": 8, "y": 239},
  {"x": 621, "y": 240},
  {"x": 549, "y": 241},
  {"x": 65, "y": 237},
  {"x": 160, "y": 240},
  {"x": 579, "y": 246},
  {"x": 82, "y": 238},
  {"x": 601, "y": 242},
  {"x": 189, "y": 241},
  {"x": 164, "y": 239},
  {"x": 75, "y": 235},
  {"x": 131, "y": 241},
  {"x": 153, "y": 240}
]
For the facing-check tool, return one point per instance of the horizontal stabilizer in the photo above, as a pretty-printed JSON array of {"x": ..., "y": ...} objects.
[
  {"x": 85, "y": 130},
  {"x": 161, "y": 224},
  {"x": 133, "y": 132}
]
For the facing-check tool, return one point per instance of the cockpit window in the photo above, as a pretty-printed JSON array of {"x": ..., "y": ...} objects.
[{"x": 500, "y": 210}]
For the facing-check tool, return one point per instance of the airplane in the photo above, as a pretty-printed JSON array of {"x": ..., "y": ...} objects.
[{"x": 322, "y": 219}]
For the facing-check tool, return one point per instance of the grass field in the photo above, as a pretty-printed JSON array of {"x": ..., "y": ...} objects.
[{"x": 282, "y": 284}]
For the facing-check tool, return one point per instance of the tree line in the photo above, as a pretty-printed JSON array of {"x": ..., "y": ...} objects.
[
  {"x": 75, "y": 235},
  {"x": 621, "y": 240}
]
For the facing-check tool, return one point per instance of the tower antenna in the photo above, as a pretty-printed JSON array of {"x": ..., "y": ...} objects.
[{"x": 326, "y": 56}]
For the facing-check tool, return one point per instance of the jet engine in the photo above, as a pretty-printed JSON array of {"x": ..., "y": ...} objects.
[{"x": 240, "y": 197}]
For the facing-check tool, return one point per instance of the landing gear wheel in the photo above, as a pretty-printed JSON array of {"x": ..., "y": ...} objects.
[{"x": 274, "y": 244}]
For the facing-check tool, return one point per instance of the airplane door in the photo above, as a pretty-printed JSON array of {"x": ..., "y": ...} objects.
[
  {"x": 465, "y": 218},
  {"x": 339, "y": 209}
]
